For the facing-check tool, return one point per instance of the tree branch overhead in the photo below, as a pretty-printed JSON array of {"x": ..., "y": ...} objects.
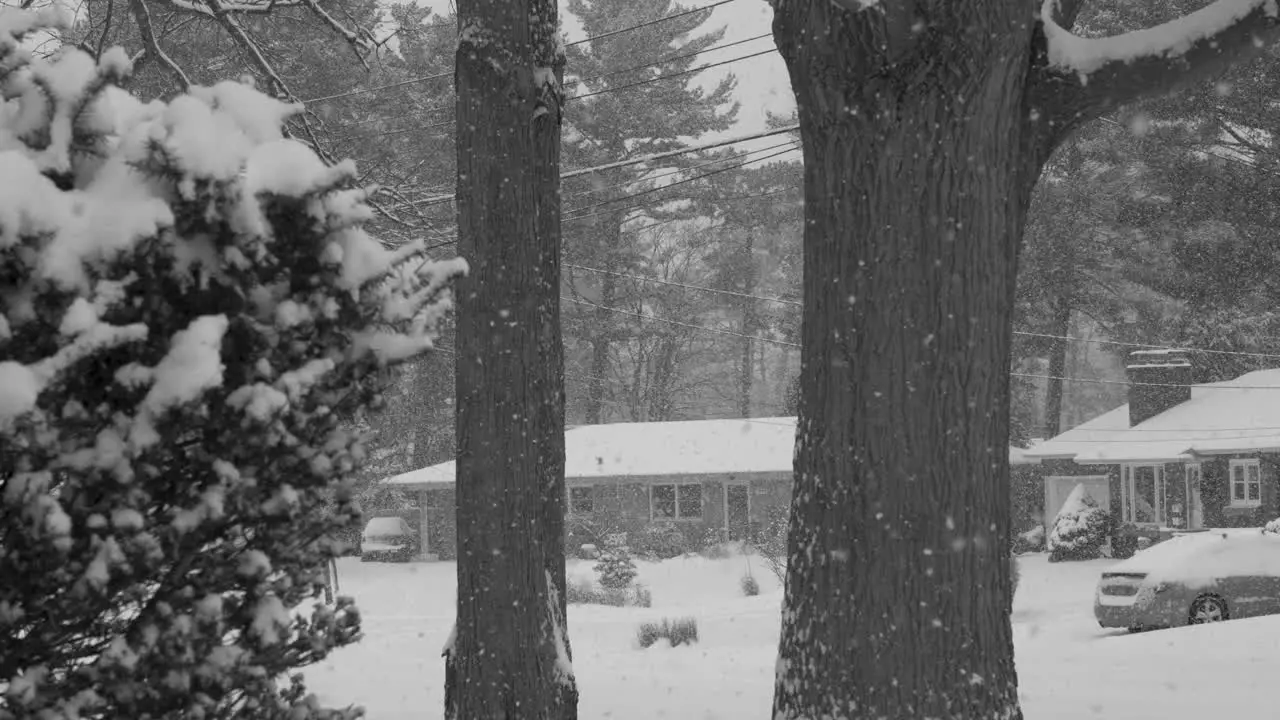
[{"x": 1103, "y": 74}]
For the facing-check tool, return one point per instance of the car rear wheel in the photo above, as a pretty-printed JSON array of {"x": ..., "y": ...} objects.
[{"x": 1208, "y": 609}]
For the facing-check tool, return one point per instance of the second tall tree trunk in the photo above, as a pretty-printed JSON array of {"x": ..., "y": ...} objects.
[{"x": 509, "y": 659}]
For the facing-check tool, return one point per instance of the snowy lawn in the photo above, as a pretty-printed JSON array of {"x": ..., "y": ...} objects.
[{"x": 1069, "y": 668}]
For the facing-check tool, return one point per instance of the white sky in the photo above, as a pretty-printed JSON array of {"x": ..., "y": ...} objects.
[{"x": 763, "y": 84}]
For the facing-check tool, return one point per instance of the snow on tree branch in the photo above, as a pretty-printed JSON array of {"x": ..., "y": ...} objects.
[
  {"x": 191, "y": 307},
  {"x": 1173, "y": 40},
  {"x": 1101, "y": 74}
]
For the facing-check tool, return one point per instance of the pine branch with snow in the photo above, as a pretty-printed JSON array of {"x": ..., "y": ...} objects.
[{"x": 190, "y": 308}]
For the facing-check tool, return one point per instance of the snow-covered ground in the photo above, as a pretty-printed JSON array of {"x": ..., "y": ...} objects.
[{"x": 1068, "y": 667}]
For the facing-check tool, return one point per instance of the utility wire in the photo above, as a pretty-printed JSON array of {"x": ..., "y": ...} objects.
[
  {"x": 671, "y": 59},
  {"x": 668, "y": 76},
  {"x": 571, "y": 216},
  {"x": 601, "y": 36},
  {"x": 699, "y": 328},
  {"x": 732, "y": 293},
  {"x": 784, "y": 301},
  {"x": 643, "y": 159},
  {"x": 677, "y": 171}
]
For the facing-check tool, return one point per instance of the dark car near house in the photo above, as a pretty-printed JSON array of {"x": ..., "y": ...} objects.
[{"x": 1194, "y": 578}]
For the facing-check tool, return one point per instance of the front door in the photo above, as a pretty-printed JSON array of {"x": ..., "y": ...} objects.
[
  {"x": 737, "y": 511},
  {"x": 1195, "y": 508}
]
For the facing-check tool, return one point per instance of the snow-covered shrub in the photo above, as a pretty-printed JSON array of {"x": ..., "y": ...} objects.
[
  {"x": 1272, "y": 528},
  {"x": 715, "y": 544},
  {"x": 189, "y": 309},
  {"x": 770, "y": 541},
  {"x": 662, "y": 540},
  {"x": 1030, "y": 541},
  {"x": 584, "y": 592},
  {"x": 581, "y": 592},
  {"x": 750, "y": 586},
  {"x": 1080, "y": 530},
  {"x": 615, "y": 568},
  {"x": 681, "y": 631}
]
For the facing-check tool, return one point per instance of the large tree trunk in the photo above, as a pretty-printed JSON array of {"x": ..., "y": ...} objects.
[
  {"x": 510, "y": 658},
  {"x": 898, "y": 589}
]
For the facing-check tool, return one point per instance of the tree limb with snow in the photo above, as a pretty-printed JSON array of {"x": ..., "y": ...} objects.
[
  {"x": 1084, "y": 78},
  {"x": 192, "y": 307}
]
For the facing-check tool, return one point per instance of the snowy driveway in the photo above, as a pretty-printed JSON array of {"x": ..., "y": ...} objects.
[{"x": 1069, "y": 668}]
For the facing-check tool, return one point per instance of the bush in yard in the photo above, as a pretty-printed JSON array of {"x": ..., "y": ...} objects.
[
  {"x": 715, "y": 543},
  {"x": 584, "y": 592},
  {"x": 750, "y": 586},
  {"x": 1080, "y": 530},
  {"x": 1272, "y": 527},
  {"x": 681, "y": 631},
  {"x": 662, "y": 540},
  {"x": 1030, "y": 541},
  {"x": 770, "y": 541},
  {"x": 615, "y": 568},
  {"x": 190, "y": 312}
]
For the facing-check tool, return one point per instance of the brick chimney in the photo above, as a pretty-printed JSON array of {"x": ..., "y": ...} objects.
[{"x": 1162, "y": 369}]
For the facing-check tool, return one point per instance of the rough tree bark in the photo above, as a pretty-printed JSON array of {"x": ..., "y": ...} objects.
[
  {"x": 509, "y": 657},
  {"x": 925, "y": 125}
]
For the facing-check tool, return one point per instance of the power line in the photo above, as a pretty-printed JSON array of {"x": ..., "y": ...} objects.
[
  {"x": 601, "y": 36},
  {"x": 663, "y": 19},
  {"x": 700, "y": 288},
  {"x": 677, "y": 171},
  {"x": 668, "y": 76},
  {"x": 643, "y": 159},
  {"x": 709, "y": 173},
  {"x": 1149, "y": 346},
  {"x": 700, "y": 328},
  {"x": 671, "y": 59},
  {"x": 733, "y": 293},
  {"x": 362, "y": 91}
]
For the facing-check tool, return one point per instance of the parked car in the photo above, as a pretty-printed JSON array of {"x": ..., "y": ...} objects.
[
  {"x": 1193, "y": 578},
  {"x": 388, "y": 539}
]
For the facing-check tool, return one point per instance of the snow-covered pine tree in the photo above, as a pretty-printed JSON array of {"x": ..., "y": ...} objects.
[
  {"x": 1080, "y": 529},
  {"x": 188, "y": 305},
  {"x": 615, "y": 568}
]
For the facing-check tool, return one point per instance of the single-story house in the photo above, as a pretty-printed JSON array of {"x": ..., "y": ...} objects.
[
  {"x": 1178, "y": 455},
  {"x": 701, "y": 474}
]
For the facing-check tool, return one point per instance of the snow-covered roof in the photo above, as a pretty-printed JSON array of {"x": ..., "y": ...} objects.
[
  {"x": 1235, "y": 416},
  {"x": 691, "y": 447}
]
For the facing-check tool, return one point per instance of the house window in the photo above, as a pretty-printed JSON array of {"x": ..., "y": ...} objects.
[
  {"x": 1142, "y": 493},
  {"x": 1246, "y": 483},
  {"x": 581, "y": 500},
  {"x": 675, "y": 502}
]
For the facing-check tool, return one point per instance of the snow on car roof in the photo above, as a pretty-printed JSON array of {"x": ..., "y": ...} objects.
[
  {"x": 1200, "y": 559},
  {"x": 386, "y": 526}
]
